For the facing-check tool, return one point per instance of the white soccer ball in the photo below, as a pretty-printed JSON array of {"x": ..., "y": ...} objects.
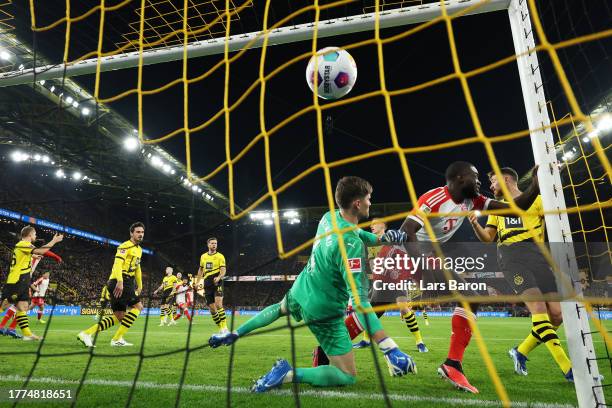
[{"x": 337, "y": 72}]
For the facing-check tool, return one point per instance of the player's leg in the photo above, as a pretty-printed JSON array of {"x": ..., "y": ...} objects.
[
  {"x": 425, "y": 317},
  {"x": 163, "y": 315},
  {"x": 409, "y": 318},
  {"x": 41, "y": 311},
  {"x": 220, "y": 310},
  {"x": 135, "y": 305},
  {"x": 20, "y": 293},
  {"x": 88, "y": 337},
  {"x": 21, "y": 318},
  {"x": 10, "y": 314}
]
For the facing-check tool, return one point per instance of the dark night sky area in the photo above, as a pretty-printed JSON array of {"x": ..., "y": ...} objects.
[{"x": 434, "y": 115}]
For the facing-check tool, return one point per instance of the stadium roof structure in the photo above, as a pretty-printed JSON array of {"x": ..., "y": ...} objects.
[{"x": 60, "y": 122}]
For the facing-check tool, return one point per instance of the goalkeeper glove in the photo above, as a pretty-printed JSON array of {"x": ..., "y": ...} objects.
[
  {"x": 399, "y": 363},
  {"x": 394, "y": 236}
]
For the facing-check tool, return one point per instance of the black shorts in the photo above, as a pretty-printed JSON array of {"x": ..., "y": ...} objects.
[
  {"x": 128, "y": 296},
  {"x": 212, "y": 290},
  {"x": 18, "y": 291},
  {"x": 525, "y": 267},
  {"x": 166, "y": 297}
]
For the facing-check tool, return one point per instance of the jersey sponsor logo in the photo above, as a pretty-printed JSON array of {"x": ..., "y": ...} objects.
[
  {"x": 518, "y": 280},
  {"x": 354, "y": 264},
  {"x": 123, "y": 251},
  {"x": 209, "y": 265},
  {"x": 513, "y": 222}
]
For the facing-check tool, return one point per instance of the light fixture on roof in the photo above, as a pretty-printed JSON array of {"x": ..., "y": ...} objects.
[
  {"x": 5, "y": 55},
  {"x": 59, "y": 173},
  {"x": 69, "y": 100},
  {"x": 172, "y": 171},
  {"x": 17, "y": 156},
  {"x": 604, "y": 124},
  {"x": 52, "y": 88},
  {"x": 37, "y": 157},
  {"x": 21, "y": 67},
  {"x": 268, "y": 221},
  {"x": 166, "y": 167},
  {"x": 131, "y": 144},
  {"x": 76, "y": 176},
  {"x": 290, "y": 214},
  {"x": 194, "y": 187},
  {"x": 42, "y": 82},
  {"x": 85, "y": 111},
  {"x": 75, "y": 104}
]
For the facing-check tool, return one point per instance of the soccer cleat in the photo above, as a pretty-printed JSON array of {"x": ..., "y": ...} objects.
[
  {"x": 422, "y": 348},
  {"x": 224, "y": 330},
  {"x": 13, "y": 333},
  {"x": 274, "y": 378},
  {"x": 224, "y": 339},
  {"x": 120, "y": 343},
  {"x": 85, "y": 339},
  {"x": 399, "y": 363},
  {"x": 3, "y": 331},
  {"x": 32, "y": 338},
  {"x": 520, "y": 361},
  {"x": 361, "y": 344},
  {"x": 172, "y": 322},
  {"x": 162, "y": 324},
  {"x": 41, "y": 321},
  {"x": 569, "y": 376},
  {"x": 456, "y": 378}
]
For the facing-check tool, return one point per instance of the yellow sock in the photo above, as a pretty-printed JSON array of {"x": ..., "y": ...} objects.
[
  {"x": 23, "y": 322},
  {"x": 366, "y": 336},
  {"x": 222, "y": 318},
  {"x": 102, "y": 325},
  {"x": 126, "y": 323},
  {"x": 530, "y": 342},
  {"x": 411, "y": 322},
  {"x": 543, "y": 327}
]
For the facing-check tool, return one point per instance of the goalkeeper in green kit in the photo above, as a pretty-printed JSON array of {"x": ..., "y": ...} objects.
[{"x": 320, "y": 296}]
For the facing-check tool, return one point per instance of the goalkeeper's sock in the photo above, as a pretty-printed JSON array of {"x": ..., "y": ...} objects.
[
  {"x": 267, "y": 316},
  {"x": 411, "y": 322},
  {"x": 126, "y": 323},
  {"x": 102, "y": 325},
  {"x": 543, "y": 327},
  {"x": 222, "y": 318},
  {"x": 461, "y": 333},
  {"x": 24, "y": 324},
  {"x": 531, "y": 341},
  {"x": 8, "y": 316},
  {"x": 322, "y": 376}
]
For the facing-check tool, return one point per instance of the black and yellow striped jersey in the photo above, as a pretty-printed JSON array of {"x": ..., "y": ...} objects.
[
  {"x": 211, "y": 264},
  {"x": 516, "y": 229},
  {"x": 169, "y": 281},
  {"x": 127, "y": 262},
  {"x": 21, "y": 263}
]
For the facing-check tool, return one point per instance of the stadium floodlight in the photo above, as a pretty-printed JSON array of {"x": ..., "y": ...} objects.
[
  {"x": 5, "y": 55},
  {"x": 42, "y": 82},
  {"x": 131, "y": 144},
  {"x": 52, "y": 88},
  {"x": 156, "y": 161},
  {"x": 59, "y": 173},
  {"x": 604, "y": 124},
  {"x": 290, "y": 214},
  {"x": 16, "y": 156},
  {"x": 199, "y": 189},
  {"x": 69, "y": 100},
  {"x": 37, "y": 157},
  {"x": 21, "y": 67},
  {"x": 75, "y": 104},
  {"x": 586, "y": 139},
  {"x": 166, "y": 167},
  {"x": 194, "y": 188},
  {"x": 85, "y": 111},
  {"x": 172, "y": 171},
  {"x": 76, "y": 175},
  {"x": 268, "y": 221}
]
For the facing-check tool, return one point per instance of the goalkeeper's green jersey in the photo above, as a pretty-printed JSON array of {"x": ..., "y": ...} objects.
[{"x": 322, "y": 288}]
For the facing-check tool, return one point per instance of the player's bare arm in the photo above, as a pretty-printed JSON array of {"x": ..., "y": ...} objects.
[{"x": 43, "y": 249}]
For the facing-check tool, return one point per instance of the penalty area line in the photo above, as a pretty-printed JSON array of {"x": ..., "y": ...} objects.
[{"x": 288, "y": 393}]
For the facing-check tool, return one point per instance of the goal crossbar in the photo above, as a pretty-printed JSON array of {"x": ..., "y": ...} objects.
[{"x": 281, "y": 35}]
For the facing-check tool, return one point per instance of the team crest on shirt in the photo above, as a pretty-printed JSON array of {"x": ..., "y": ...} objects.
[
  {"x": 518, "y": 280},
  {"x": 354, "y": 264},
  {"x": 122, "y": 251}
]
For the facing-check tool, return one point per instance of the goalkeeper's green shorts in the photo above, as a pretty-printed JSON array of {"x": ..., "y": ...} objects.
[{"x": 332, "y": 334}]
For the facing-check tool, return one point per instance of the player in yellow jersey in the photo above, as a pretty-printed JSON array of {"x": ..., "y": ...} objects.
[
  {"x": 527, "y": 272},
  {"x": 124, "y": 286},
  {"x": 166, "y": 286},
  {"x": 212, "y": 269},
  {"x": 17, "y": 287}
]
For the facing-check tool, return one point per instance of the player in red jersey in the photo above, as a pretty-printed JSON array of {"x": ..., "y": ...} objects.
[
  {"x": 181, "y": 290},
  {"x": 40, "y": 287},
  {"x": 460, "y": 194}
]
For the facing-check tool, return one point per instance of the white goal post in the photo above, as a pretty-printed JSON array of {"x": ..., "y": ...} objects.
[{"x": 581, "y": 350}]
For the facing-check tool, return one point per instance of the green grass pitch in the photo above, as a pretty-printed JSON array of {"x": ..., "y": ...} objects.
[{"x": 109, "y": 379}]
